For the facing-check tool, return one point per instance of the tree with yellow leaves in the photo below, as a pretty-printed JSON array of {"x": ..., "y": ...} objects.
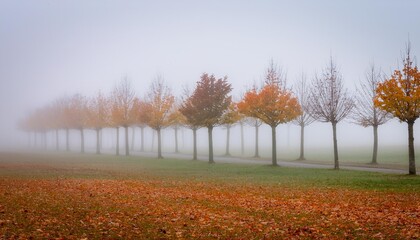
[
  {"x": 140, "y": 116},
  {"x": 159, "y": 104},
  {"x": 400, "y": 96},
  {"x": 122, "y": 99}
]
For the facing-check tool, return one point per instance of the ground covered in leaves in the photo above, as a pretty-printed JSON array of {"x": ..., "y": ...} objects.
[{"x": 156, "y": 207}]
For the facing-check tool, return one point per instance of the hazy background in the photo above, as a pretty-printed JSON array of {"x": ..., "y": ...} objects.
[{"x": 53, "y": 48}]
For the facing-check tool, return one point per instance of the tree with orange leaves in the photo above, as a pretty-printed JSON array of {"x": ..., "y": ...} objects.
[
  {"x": 77, "y": 116},
  {"x": 273, "y": 104},
  {"x": 56, "y": 114},
  {"x": 160, "y": 102},
  {"x": 37, "y": 122},
  {"x": 98, "y": 116},
  {"x": 400, "y": 96},
  {"x": 140, "y": 115},
  {"x": 65, "y": 117}
]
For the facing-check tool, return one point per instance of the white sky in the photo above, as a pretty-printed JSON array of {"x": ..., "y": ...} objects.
[{"x": 52, "y": 48}]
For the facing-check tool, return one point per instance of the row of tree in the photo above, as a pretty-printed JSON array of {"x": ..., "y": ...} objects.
[{"x": 210, "y": 104}]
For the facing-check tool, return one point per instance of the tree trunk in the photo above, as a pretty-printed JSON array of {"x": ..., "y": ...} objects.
[
  {"x": 194, "y": 143},
  {"x": 336, "y": 165},
  {"x": 210, "y": 130},
  {"x": 159, "y": 143},
  {"x": 98, "y": 151},
  {"x": 142, "y": 139},
  {"x": 82, "y": 141},
  {"x": 34, "y": 134},
  {"x": 132, "y": 138},
  {"x": 153, "y": 140},
  {"x": 29, "y": 140},
  {"x": 302, "y": 142},
  {"x": 411, "y": 156},
  {"x": 67, "y": 140},
  {"x": 118, "y": 142},
  {"x": 36, "y": 140},
  {"x": 274, "y": 146},
  {"x": 176, "y": 140},
  {"x": 375, "y": 145},
  {"x": 227, "y": 140},
  {"x": 44, "y": 136},
  {"x": 127, "y": 150},
  {"x": 257, "y": 152},
  {"x": 57, "y": 142},
  {"x": 242, "y": 139},
  {"x": 101, "y": 139}
]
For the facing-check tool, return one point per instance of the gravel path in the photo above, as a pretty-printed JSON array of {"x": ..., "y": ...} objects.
[{"x": 223, "y": 159}]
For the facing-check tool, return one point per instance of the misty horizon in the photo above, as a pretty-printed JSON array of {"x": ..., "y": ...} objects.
[{"x": 55, "y": 49}]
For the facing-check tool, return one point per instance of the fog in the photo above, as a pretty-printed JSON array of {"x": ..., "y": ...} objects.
[{"x": 50, "y": 49}]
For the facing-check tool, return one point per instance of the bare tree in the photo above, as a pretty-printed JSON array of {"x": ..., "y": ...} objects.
[
  {"x": 302, "y": 93},
  {"x": 365, "y": 112},
  {"x": 329, "y": 101}
]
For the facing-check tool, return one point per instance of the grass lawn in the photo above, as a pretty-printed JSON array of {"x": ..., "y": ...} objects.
[
  {"x": 394, "y": 157},
  {"x": 87, "y": 196}
]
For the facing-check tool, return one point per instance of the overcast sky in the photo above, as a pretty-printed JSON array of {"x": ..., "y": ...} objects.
[{"x": 53, "y": 48}]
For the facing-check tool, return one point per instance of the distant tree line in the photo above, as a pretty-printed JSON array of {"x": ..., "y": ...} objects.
[{"x": 325, "y": 99}]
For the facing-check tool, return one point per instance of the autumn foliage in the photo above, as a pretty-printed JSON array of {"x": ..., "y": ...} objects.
[
  {"x": 98, "y": 116},
  {"x": 273, "y": 105},
  {"x": 159, "y": 104},
  {"x": 400, "y": 96},
  {"x": 207, "y": 104},
  {"x": 155, "y": 207}
]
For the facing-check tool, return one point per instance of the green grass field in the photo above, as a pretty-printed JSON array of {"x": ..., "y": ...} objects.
[
  {"x": 388, "y": 156},
  {"x": 113, "y": 167},
  {"x": 73, "y": 196}
]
